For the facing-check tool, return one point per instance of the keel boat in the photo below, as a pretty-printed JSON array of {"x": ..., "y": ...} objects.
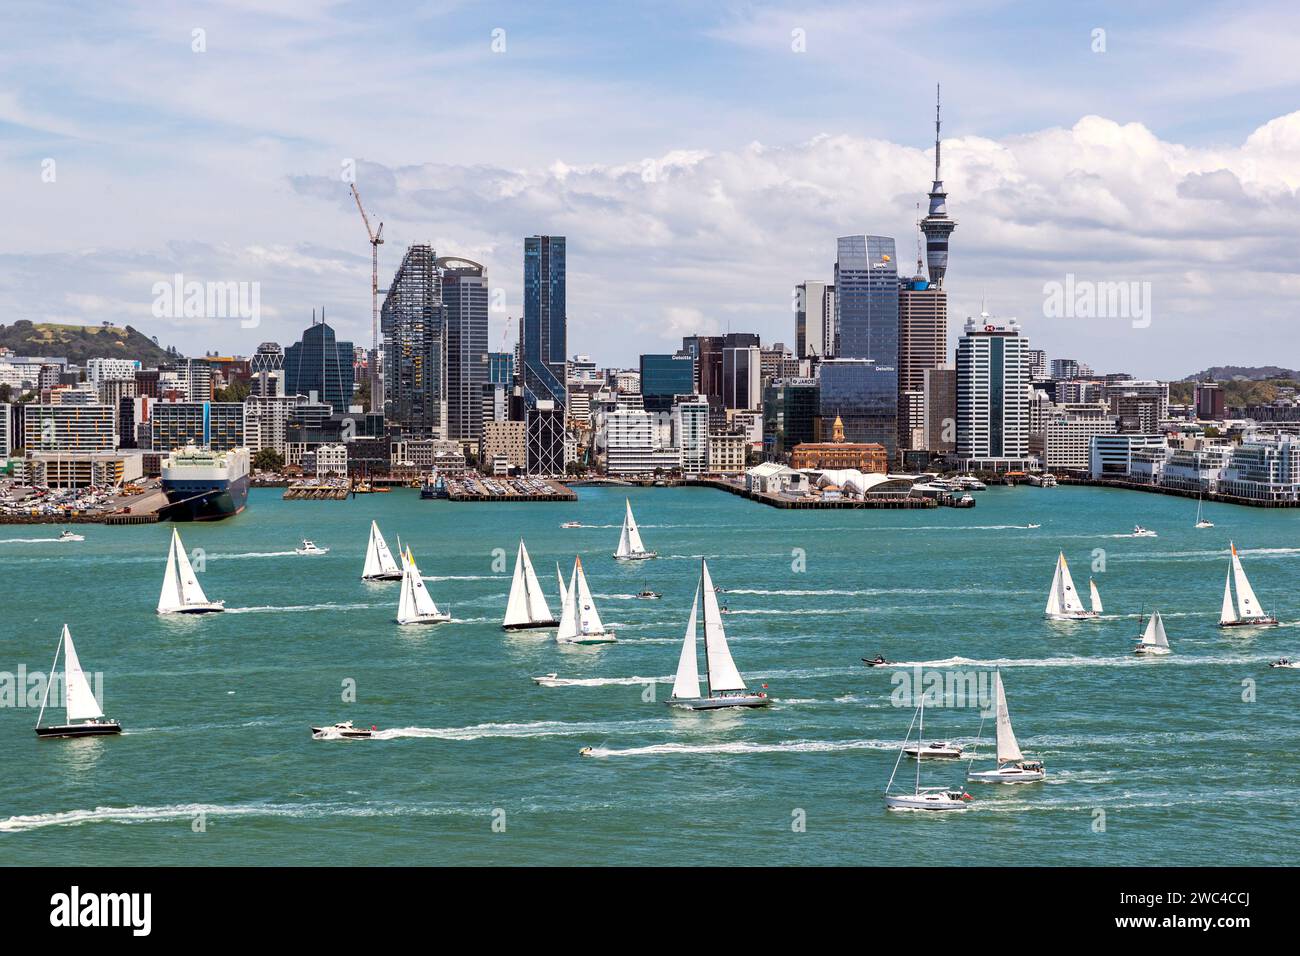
[
  {"x": 1063, "y": 603},
  {"x": 1153, "y": 642},
  {"x": 380, "y": 565},
  {"x": 580, "y": 621},
  {"x": 630, "y": 546},
  {"x": 934, "y": 799},
  {"x": 726, "y": 688},
  {"x": 415, "y": 606},
  {"x": 527, "y": 607},
  {"x": 1012, "y": 765},
  {"x": 181, "y": 591},
  {"x": 1247, "y": 612},
  {"x": 82, "y": 714}
]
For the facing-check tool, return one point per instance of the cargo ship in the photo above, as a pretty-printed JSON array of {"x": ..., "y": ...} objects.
[{"x": 205, "y": 485}]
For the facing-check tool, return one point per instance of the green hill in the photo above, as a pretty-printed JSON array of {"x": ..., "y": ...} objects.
[{"x": 78, "y": 343}]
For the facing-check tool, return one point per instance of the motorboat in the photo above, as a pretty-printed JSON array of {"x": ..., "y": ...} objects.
[
  {"x": 1285, "y": 662},
  {"x": 647, "y": 595},
  {"x": 1141, "y": 532},
  {"x": 344, "y": 729},
  {"x": 877, "y": 661},
  {"x": 571, "y": 524},
  {"x": 67, "y": 535},
  {"x": 938, "y": 748},
  {"x": 547, "y": 680},
  {"x": 1033, "y": 525},
  {"x": 310, "y": 547}
]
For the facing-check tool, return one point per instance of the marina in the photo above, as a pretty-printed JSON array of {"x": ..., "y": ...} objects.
[{"x": 475, "y": 718}]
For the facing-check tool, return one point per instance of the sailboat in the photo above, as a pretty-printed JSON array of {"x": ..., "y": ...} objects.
[
  {"x": 580, "y": 621},
  {"x": 564, "y": 591},
  {"x": 380, "y": 565},
  {"x": 84, "y": 718},
  {"x": 1200, "y": 521},
  {"x": 1153, "y": 642},
  {"x": 1063, "y": 603},
  {"x": 630, "y": 546},
  {"x": 181, "y": 591},
  {"x": 922, "y": 798},
  {"x": 416, "y": 606},
  {"x": 1012, "y": 765},
  {"x": 726, "y": 686},
  {"x": 527, "y": 605},
  {"x": 1247, "y": 613}
]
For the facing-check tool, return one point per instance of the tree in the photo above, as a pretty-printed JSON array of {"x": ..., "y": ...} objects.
[
  {"x": 236, "y": 391},
  {"x": 268, "y": 459}
]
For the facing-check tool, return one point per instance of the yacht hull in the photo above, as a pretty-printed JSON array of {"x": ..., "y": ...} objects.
[
  {"x": 937, "y": 803},
  {"x": 643, "y": 556},
  {"x": 1081, "y": 616},
  {"x": 1006, "y": 776},
  {"x": 390, "y": 576},
  {"x": 197, "y": 609},
  {"x": 592, "y": 639},
  {"x": 718, "y": 703},
  {"x": 425, "y": 619},
  {"x": 97, "y": 729},
  {"x": 1251, "y": 622},
  {"x": 530, "y": 626}
]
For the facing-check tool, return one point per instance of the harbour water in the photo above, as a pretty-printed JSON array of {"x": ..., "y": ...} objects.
[{"x": 1149, "y": 761}]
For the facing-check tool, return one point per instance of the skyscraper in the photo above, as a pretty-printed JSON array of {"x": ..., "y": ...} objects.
[
  {"x": 992, "y": 395},
  {"x": 665, "y": 376},
  {"x": 465, "y": 300},
  {"x": 814, "y": 320},
  {"x": 545, "y": 326},
  {"x": 937, "y": 226},
  {"x": 414, "y": 325},
  {"x": 866, "y": 319},
  {"x": 319, "y": 364},
  {"x": 742, "y": 370},
  {"x": 922, "y": 345}
]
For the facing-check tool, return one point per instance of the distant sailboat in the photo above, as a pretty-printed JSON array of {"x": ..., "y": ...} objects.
[
  {"x": 726, "y": 686},
  {"x": 564, "y": 591},
  {"x": 1153, "y": 642},
  {"x": 1063, "y": 603},
  {"x": 1012, "y": 765},
  {"x": 416, "y": 606},
  {"x": 380, "y": 565},
  {"x": 1201, "y": 522},
  {"x": 630, "y": 546},
  {"x": 1094, "y": 596},
  {"x": 922, "y": 798},
  {"x": 527, "y": 606},
  {"x": 1247, "y": 613},
  {"x": 84, "y": 718},
  {"x": 580, "y": 621},
  {"x": 181, "y": 591}
]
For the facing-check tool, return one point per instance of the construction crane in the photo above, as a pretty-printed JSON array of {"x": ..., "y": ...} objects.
[{"x": 376, "y": 240}]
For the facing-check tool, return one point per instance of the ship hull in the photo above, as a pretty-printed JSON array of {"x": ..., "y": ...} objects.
[{"x": 202, "y": 500}]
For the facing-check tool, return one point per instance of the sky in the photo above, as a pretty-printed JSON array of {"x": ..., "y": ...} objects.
[{"x": 701, "y": 159}]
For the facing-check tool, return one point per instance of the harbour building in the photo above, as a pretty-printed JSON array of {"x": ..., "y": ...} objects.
[
  {"x": 993, "y": 396},
  {"x": 320, "y": 365}
]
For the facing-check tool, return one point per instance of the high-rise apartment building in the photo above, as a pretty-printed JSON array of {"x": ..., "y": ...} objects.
[
  {"x": 922, "y": 345},
  {"x": 993, "y": 395},
  {"x": 414, "y": 325},
  {"x": 814, "y": 320},
  {"x": 465, "y": 302}
]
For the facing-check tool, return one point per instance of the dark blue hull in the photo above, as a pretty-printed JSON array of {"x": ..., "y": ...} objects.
[{"x": 204, "y": 500}]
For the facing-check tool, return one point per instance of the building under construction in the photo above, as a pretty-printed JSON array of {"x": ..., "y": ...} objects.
[{"x": 413, "y": 321}]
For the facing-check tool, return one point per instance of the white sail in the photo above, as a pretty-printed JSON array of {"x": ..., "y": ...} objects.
[
  {"x": 80, "y": 700},
  {"x": 629, "y": 539},
  {"x": 415, "y": 602},
  {"x": 1054, "y": 595},
  {"x": 527, "y": 604},
  {"x": 687, "y": 684},
  {"x": 170, "y": 598},
  {"x": 1008, "y": 748},
  {"x": 1227, "y": 615},
  {"x": 1154, "y": 635},
  {"x": 1095, "y": 596},
  {"x": 568, "y": 629},
  {"x": 588, "y": 617},
  {"x": 1247, "y": 603},
  {"x": 379, "y": 560},
  {"x": 1069, "y": 597},
  {"x": 564, "y": 592},
  {"x": 723, "y": 675}
]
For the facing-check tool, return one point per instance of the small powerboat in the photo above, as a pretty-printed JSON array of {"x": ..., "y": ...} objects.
[
  {"x": 938, "y": 748},
  {"x": 1141, "y": 532},
  {"x": 584, "y": 752},
  {"x": 571, "y": 524},
  {"x": 1033, "y": 526},
  {"x": 547, "y": 680},
  {"x": 70, "y": 536},
  {"x": 929, "y": 798},
  {"x": 1285, "y": 662},
  {"x": 344, "y": 729},
  {"x": 876, "y": 661},
  {"x": 310, "y": 547},
  {"x": 648, "y": 595}
]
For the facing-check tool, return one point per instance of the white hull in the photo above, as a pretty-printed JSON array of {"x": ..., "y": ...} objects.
[
  {"x": 933, "y": 751},
  {"x": 1286, "y": 666},
  {"x": 425, "y": 619},
  {"x": 1076, "y": 616},
  {"x": 639, "y": 556},
  {"x": 604, "y": 637},
  {"x": 1145, "y": 651},
  {"x": 1006, "y": 775},
  {"x": 721, "y": 701},
  {"x": 939, "y": 801},
  {"x": 212, "y": 607}
]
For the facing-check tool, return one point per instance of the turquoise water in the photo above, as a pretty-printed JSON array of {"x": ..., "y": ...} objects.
[{"x": 480, "y": 766}]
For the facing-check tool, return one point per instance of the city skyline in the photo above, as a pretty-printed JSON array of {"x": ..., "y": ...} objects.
[{"x": 699, "y": 227}]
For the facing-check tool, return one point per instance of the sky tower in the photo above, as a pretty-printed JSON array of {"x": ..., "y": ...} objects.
[{"x": 937, "y": 226}]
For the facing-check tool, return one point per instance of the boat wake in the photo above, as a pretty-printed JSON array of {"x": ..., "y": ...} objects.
[
  {"x": 251, "y": 554},
  {"x": 269, "y": 609},
  {"x": 742, "y": 747},
  {"x": 605, "y": 681},
  {"x": 26, "y": 540},
  {"x": 539, "y": 728}
]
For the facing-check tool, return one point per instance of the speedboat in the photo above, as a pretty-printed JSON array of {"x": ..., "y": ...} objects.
[
  {"x": 928, "y": 798},
  {"x": 70, "y": 536},
  {"x": 584, "y": 752},
  {"x": 547, "y": 680},
  {"x": 1285, "y": 662},
  {"x": 938, "y": 748},
  {"x": 571, "y": 524},
  {"x": 1033, "y": 526},
  {"x": 876, "y": 661},
  {"x": 344, "y": 729},
  {"x": 1025, "y": 771},
  {"x": 310, "y": 547},
  {"x": 648, "y": 595},
  {"x": 1141, "y": 532}
]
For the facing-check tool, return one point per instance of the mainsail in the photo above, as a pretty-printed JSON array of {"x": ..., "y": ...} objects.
[
  {"x": 723, "y": 675},
  {"x": 1247, "y": 603},
  {"x": 1154, "y": 635},
  {"x": 1227, "y": 615},
  {"x": 379, "y": 560},
  {"x": 181, "y": 587},
  {"x": 1008, "y": 748},
  {"x": 629, "y": 540},
  {"x": 78, "y": 696},
  {"x": 416, "y": 602},
  {"x": 1096, "y": 597},
  {"x": 564, "y": 591},
  {"x": 527, "y": 604},
  {"x": 580, "y": 619},
  {"x": 1063, "y": 599},
  {"x": 687, "y": 684}
]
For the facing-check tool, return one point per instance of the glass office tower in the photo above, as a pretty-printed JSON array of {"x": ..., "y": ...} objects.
[{"x": 320, "y": 364}]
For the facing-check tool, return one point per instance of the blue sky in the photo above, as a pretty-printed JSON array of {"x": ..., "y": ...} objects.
[{"x": 699, "y": 165}]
